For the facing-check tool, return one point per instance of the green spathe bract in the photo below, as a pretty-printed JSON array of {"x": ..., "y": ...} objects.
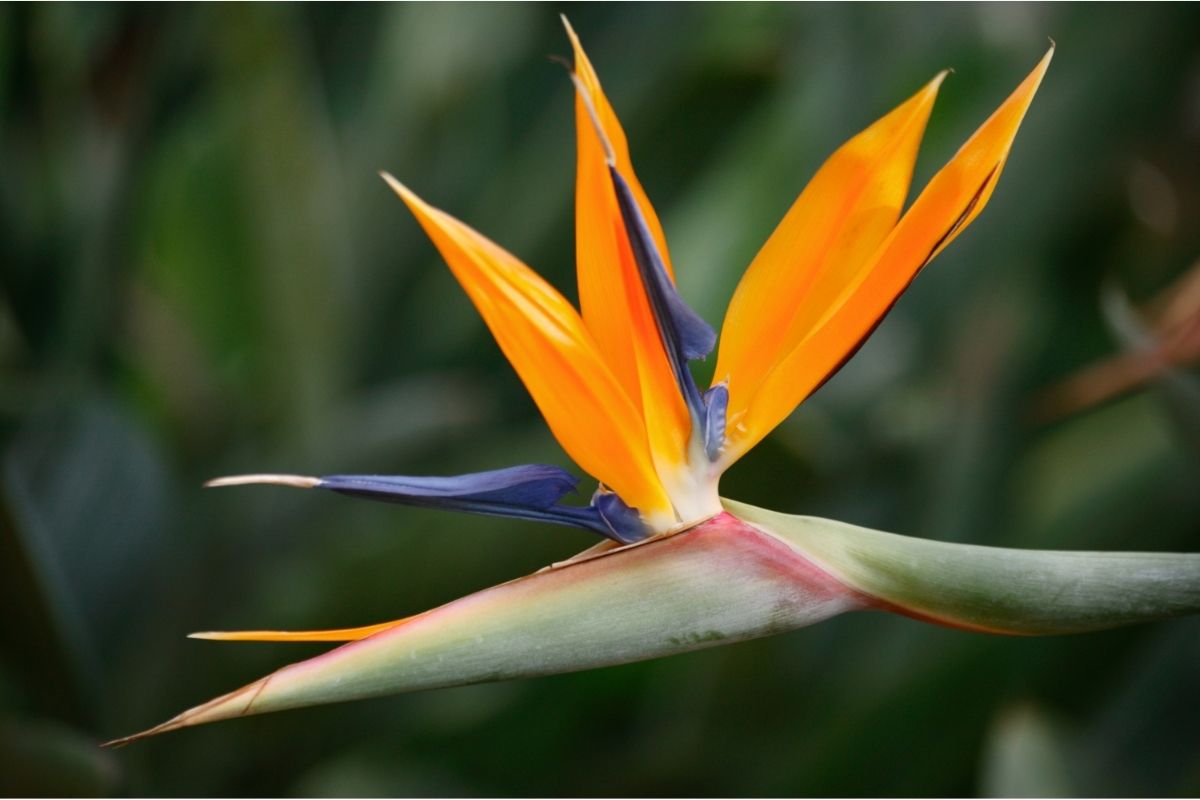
[
  {"x": 738, "y": 576},
  {"x": 994, "y": 589}
]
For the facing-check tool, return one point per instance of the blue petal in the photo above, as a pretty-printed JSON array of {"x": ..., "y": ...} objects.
[
  {"x": 529, "y": 492},
  {"x": 623, "y": 522},
  {"x": 531, "y": 485},
  {"x": 685, "y": 336},
  {"x": 716, "y": 403}
]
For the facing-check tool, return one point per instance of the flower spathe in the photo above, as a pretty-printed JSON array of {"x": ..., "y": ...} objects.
[{"x": 685, "y": 569}]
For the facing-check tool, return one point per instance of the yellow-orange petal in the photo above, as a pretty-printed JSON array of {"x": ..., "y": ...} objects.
[
  {"x": 835, "y": 225},
  {"x": 607, "y": 119},
  {"x": 951, "y": 200},
  {"x": 611, "y": 296},
  {"x": 544, "y": 339},
  {"x": 329, "y": 635}
]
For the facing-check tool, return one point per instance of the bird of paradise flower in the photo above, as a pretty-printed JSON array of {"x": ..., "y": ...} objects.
[{"x": 681, "y": 568}]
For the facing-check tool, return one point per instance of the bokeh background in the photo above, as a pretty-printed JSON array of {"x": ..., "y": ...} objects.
[{"x": 202, "y": 274}]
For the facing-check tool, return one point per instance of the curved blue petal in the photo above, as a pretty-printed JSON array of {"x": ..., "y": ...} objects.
[
  {"x": 716, "y": 403},
  {"x": 623, "y": 522},
  {"x": 685, "y": 336},
  {"x": 529, "y": 485},
  {"x": 531, "y": 492}
]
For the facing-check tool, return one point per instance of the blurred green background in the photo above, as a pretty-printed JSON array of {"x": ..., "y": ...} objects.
[{"x": 202, "y": 274}]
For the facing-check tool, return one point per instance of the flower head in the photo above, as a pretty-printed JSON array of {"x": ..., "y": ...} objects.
[{"x": 613, "y": 382}]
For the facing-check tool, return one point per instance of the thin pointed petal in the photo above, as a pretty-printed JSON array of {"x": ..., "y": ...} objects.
[
  {"x": 835, "y": 225},
  {"x": 331, "y": 635},
  {"x": 615, "y": 134},
  {"x": 545, "y": 340},
  {"x": 508, "y": 492},
  {"x": 953, "y": 198},
  {"x": 611, "y": 294},
  {"x": 530, "y": 492},
  {"x": 683, "y": 335}
]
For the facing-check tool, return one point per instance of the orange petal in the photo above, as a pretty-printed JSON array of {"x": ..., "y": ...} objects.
[
  {"x": 545, "y": 340},
  {"x": 608, "y": 121},
  {"x": 836, "y": 224},
  {"x": 611, "y": 296},
  {"x": 953, "y": 198},
  {"x": 332, "y": 635}
]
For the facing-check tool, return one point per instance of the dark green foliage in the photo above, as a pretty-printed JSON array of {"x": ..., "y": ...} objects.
[{"x": 201, "y": 273}]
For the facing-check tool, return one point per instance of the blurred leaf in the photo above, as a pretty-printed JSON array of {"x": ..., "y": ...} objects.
[
  {"x": 86, "y": 502},
  {"x": 289, "y": 184},
  {"x": 192, "y": 228},
  {"x": 1083, "y": 480},
  {"x": 47, "y": 759},
  {"x": 1180, "y": 390},
  {"x": 45, "y": 638},
  {"x": 374, "y": 774},
  {"x": 1141, "y": 740},
  {"x": 1025, "y": 757}
]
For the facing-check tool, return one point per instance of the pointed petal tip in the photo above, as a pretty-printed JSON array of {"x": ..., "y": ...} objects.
[
  {"x": 397, "y": 187},
  {"x": 324, "y": 635},
  {"x": 280, "y": 636},
  {"x": 419, "y": 208},
  {"x": 1034, "y": 80},
  {"x": 1045, "y": 62},
  {"x": 570, "y": 30},
  {"x": 927, "y": 94},
  {"x": 610, "y": 156},
  {"x": 296, "y": 481},
  {"x": 340, "y": 635}
]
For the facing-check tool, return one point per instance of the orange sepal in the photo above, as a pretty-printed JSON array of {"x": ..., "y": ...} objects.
[
  {"x": 611, "y": 296},
  {"x": 836, "y": 224},
  {"x": 544, "y": 339},
  {"x": 330, "y": 635},
  {"x": 950, "y": 202}
]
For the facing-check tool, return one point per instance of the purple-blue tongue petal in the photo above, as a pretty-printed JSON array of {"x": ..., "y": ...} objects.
[
  {"x": 624, "y": 523},
  {"x": 528, "y": 486},
  {"x": 716, "y": 403},
  {"x": 528, "y": 492},
  {"x": 685, "y": 336}
]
